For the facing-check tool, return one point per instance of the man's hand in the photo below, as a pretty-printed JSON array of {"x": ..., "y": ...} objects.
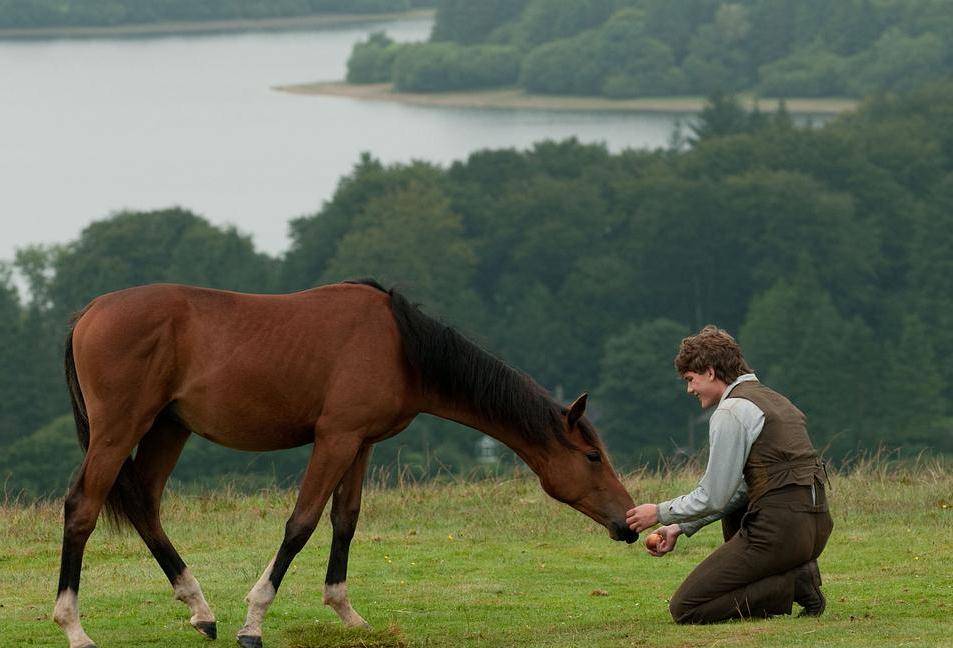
[
  {"x": 642, "y": 517},
  {"x": 669, "y": 535}
]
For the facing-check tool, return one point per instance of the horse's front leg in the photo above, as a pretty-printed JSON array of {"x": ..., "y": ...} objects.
[
  {"x": 330, "y": 458},
  {"x": 345, "y": 509}
]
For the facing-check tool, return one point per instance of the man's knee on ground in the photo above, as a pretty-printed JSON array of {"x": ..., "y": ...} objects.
[{"x": 681, "y": 612}]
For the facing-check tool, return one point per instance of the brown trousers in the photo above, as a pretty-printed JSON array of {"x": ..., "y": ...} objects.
[{"x": 751, "y": 574}]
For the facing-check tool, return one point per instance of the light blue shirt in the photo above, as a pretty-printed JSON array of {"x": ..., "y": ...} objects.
[{"x": 734, "y": 426}]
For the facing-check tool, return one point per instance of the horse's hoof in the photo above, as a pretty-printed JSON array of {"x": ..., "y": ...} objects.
[
  {"x": 248, "y": 641},
  {"x": 206, "y": 628},
  {"x": 360, "y": 624}
]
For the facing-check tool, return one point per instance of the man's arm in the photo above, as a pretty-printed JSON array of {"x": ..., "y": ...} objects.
[
  {"x": 732, "y": 431},
  {"x": 738, "y": 500}
]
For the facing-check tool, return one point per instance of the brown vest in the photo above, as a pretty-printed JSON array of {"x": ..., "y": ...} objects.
[{"x": 782, "y": 454}]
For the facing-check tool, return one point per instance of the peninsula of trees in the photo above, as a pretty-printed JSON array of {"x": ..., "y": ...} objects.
[{"x": 645, "y": 48}]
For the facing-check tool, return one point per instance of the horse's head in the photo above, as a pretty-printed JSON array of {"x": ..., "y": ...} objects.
[{"x": 578, "y": 473}]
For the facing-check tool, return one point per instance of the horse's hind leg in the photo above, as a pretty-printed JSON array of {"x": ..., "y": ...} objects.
[
  {"x": 330, "y": 458},
  {"x": 345, "y": 509},
  {"x": 156, "y": 457},
  {"x": 83, "y": 504}
]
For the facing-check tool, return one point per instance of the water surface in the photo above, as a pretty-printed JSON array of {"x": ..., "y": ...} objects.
[{"x": 92, "y": 126}]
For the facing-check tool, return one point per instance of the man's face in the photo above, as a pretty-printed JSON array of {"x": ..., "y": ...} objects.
[{"x": 706, "y": 387}]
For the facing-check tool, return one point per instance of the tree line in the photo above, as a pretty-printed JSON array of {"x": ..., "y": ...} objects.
[
  {"x": 18, "y": 14},
  {"x": 825, "y": 250},
  {"x": 637, "y": 48}
]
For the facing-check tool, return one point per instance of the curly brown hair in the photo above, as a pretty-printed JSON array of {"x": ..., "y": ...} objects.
[{"x": 711, "y": 347}]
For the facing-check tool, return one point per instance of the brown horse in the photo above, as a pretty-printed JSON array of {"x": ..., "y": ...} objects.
[{"x": 340, "y": 367}]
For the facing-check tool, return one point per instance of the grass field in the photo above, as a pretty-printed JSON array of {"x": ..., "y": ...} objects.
[{"x": 491, "y": 563}]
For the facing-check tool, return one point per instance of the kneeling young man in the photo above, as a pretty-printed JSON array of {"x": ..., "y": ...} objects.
[{"x": 764, "y": 481}]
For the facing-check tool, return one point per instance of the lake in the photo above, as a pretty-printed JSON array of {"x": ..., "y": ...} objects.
[{"x": 92, "y": 126}]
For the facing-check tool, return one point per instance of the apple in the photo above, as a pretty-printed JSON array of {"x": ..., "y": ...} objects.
[{"x": 653, "y": 540}]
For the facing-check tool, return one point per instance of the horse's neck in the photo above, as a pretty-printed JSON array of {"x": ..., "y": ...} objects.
[{"x": 513, "y": 439}]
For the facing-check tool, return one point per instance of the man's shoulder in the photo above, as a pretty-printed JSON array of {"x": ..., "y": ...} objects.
[
  {"x": 756, "y": 391},
  {"x": 739, "y": 407}
]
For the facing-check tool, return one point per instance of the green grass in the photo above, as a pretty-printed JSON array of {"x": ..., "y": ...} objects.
[{"x": 493, "y": 563}]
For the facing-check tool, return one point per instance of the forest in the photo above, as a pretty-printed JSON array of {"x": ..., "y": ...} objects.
[
  {"x": 652, "y": 48},
  {"x": 20, "y": 14},
  {"x": 825, "y": 250}
]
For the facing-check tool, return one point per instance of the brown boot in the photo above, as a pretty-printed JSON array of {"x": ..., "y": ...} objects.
[{"x": 807, "y": 589}]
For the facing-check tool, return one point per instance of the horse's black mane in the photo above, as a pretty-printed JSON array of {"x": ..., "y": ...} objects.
[{"x": 466, "y": 375}]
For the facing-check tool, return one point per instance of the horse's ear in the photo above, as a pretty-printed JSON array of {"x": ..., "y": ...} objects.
[{"x": 576, "y": 410}]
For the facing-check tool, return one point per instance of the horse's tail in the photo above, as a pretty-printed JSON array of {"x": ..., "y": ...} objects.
[
  {"x": 127, "y": 500},
  {"x": 76, "y": 392}
]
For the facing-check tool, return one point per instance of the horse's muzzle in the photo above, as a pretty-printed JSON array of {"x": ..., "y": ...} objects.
[{"x": 623, "y": 532}]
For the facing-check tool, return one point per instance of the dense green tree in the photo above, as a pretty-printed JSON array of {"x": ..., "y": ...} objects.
[
  {"x": 11, "y": 332},
  {"x": 713, "y": 63},
  {"x": 636, "y": 63},
  {"x": 897, "y": 62},
  {"x": 465, "y": 21},
  {"x": 411, "y": 239},
  {"x": 41, "y": 463},
  {"x": 914, "y": 381},
  {"x": 799, "y": 344},
  {"x": 641, "y": 399},
  {"x": 806, "y": 73},
  {"x": 674, "y": 21},
  {"x": 565, "y": 66},
  {"x": 722, "y": 115},
  {"x": 543, "y": 21},
  {"x": 172, "y": 245},
  {"x": 771, "y": 35},
  {"x": 428, "y": 67},
  {"x": 852, "y": 26},
  {"x": 930, "y": 292},
  {"x": 314, "y": 238},
  {"x": 791, "y": 218},
  {"x": 31, "y": 359},
  {"x": 372, "y": 61}
]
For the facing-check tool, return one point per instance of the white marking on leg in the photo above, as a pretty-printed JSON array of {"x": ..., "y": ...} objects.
[
  {"x": 187, "y": 589},
  {"x": 259, "y": 598},
  {"x": 335, "y": 596},
  {"x": 66, "y": 615}
]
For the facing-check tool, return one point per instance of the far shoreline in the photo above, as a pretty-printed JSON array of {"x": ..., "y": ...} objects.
[
  {"x": 515, "y": 98},
  {"x": 288, "y": 23}
]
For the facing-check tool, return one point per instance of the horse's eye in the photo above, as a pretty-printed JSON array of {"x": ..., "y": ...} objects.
[{"x": 594, "y": 456}]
